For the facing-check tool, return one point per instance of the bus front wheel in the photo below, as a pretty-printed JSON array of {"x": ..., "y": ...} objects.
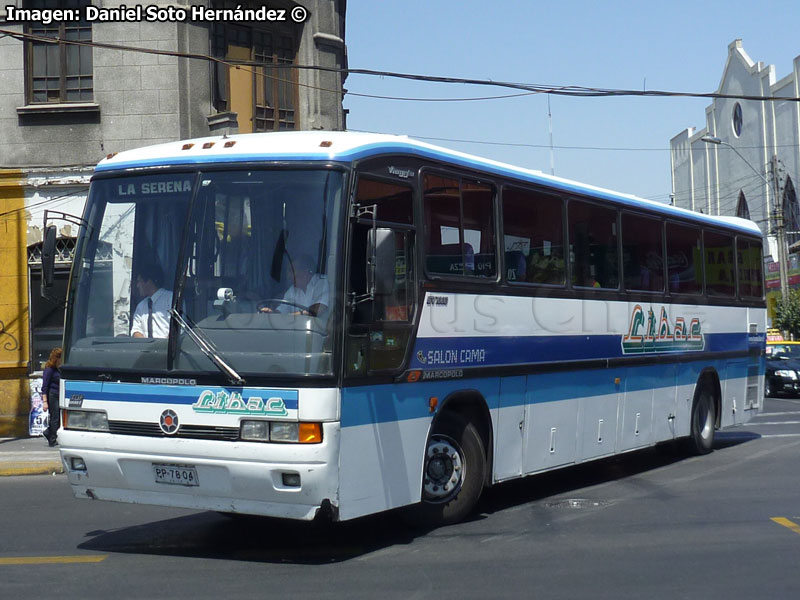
[
  {"x": 703, "y": 420},
  {"x": 454, "y": 472}
]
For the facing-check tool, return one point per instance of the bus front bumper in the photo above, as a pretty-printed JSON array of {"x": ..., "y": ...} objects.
[{"x": 291, "y": 481}]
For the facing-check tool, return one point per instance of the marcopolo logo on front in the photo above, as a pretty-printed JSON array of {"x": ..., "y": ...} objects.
[{"x": 647, "y": 335}]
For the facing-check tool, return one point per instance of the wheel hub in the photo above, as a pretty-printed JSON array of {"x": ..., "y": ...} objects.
[{"x": 444, "y": 470}]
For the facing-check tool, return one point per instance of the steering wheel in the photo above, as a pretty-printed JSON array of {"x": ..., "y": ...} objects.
[{"x": 263, "y": 304}]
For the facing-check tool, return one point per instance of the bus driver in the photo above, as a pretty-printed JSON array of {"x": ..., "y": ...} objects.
[
  {"x": 151, "y": 317},
  {"x": 309, "y": 295}
]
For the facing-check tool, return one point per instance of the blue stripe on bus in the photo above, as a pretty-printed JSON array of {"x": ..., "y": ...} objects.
[
  {"x": 168, "y": 394},
  {"x": 377, "y": 148},
  {"x": 459, "y": 352},
  {"x": 369, "y": 405}
]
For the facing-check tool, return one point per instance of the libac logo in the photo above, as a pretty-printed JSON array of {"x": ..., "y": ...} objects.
[{"x": 646, "y": 335}]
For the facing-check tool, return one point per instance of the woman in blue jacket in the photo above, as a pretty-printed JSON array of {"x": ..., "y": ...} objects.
[{"x": 51, "y": 383}]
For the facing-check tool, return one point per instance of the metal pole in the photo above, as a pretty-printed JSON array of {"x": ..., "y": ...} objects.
[
  {"x": 780, "y": 227},
  {"x": 552, "y": 153}
]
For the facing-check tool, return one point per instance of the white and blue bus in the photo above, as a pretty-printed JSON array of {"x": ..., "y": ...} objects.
[{"x": 348, "y": 323}]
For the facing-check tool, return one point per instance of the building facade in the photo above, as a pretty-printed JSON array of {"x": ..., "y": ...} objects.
[
  {"x": 749, "y": 163},
  {"x": 76, "y": 90}
]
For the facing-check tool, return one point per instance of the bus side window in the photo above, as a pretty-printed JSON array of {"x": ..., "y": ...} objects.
[
  {"x": 719, "y": 264},
  {"x": 593, "y": 245},
  {"x": 684, "y": 262},
  {"x": 459, "y": 227},
  {"x": 642, "y": 253},
  {"x": 748, "y": 254},
  {"x": 533, "y": 237}
]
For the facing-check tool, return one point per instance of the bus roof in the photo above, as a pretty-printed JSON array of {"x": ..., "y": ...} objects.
[{"x": 348, "y": 146}]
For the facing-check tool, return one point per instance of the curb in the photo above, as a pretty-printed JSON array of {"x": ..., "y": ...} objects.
[
  {"x": 12, "y": 469},
  {"x": 28, "y": 456}
]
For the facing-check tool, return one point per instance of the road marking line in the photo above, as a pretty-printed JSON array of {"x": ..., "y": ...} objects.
[
  {"x": 787, "y": 523},
  {"x": 51, "y": 560}
]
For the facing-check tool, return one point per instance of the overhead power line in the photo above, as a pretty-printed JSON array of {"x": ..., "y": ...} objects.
[
  {"x": 53, "y": 200},
  {"x": 527, "y": 88},
  {"x": 568, "y": 90},
  {"x": 524, "y": 145},
  {"x": 557, "y": 147}
]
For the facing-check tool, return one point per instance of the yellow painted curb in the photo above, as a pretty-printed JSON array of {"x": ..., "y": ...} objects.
[{"x": 30, "y": 468}]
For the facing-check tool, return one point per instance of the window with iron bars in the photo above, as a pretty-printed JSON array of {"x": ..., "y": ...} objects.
[
  {"x": 269, "y": 95},
  {"x": 58, "y": 72}
]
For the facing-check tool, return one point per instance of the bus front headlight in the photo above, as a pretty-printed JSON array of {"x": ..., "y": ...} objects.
[
  {"x": 256, "y": 431},
  {"x": 87, "y": 420},
  {"x": 281, "y": 431}
]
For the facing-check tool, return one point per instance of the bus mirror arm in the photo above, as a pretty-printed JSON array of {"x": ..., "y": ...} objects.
[{"x": 356, "y": 299}]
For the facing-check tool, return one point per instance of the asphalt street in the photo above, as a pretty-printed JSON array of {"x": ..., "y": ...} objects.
[{"x": 651, "y": 524}]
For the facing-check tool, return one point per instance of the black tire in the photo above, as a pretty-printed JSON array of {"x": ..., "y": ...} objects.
[
  {"x": 703, "y": 420},
  {"x": 451, "y": 486}
]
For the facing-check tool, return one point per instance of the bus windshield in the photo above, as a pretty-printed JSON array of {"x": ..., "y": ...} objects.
[{"x": 248, "y": 258}]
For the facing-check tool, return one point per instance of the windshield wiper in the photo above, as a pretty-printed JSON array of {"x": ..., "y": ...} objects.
[{"x": 207, "y": 347}]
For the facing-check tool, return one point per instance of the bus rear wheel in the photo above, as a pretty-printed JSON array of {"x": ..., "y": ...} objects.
[
  {"x": 454, "y": 472},
  {"x": 703, "y": 420}
]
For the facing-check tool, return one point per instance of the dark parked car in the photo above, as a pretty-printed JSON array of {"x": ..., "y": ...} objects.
[{"x": 783, "y": 368}]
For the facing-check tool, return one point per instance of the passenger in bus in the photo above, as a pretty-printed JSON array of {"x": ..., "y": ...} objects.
[
  {"x": 151, "y": 317},
  {"x": 469, "y": 259},
  {"x": 309, "y": 295}
]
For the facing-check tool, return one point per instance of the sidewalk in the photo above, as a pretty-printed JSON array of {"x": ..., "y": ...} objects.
[{"x": 28, "y": 456}]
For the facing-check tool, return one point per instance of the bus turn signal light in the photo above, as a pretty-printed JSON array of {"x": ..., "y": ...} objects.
[{"x": 310, "y": 433}]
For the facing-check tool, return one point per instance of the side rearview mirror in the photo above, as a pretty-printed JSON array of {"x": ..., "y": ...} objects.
[
  {"x": 381, "y": 260},
  {"x": 48, "y": 258}
]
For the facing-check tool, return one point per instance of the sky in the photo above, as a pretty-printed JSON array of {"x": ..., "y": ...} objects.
[{"x": 620, "y": 143}]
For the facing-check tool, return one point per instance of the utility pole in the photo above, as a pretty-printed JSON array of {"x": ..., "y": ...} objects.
[
  {"x": 552, "y": 153},
  {"x": 780, "y": 226}
]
